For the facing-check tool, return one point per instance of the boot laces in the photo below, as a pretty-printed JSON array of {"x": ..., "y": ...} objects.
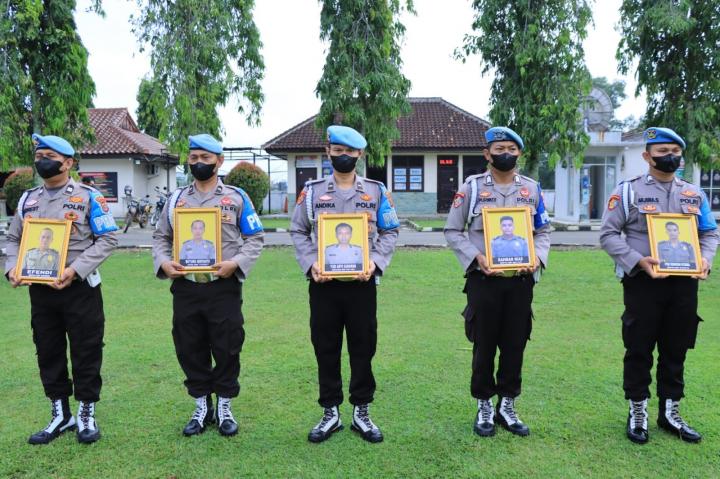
[
  {"x": 508, "y": 409},
  {"x": 362, "y": 413},
  {"x": 328, "y": 415},
  {"x": 200, "y": 410},
  {"x": 86, "y": 415},
  {"x": 638, "y": 413},
  {"x": 486, "y": 410},
  {"x": 54, "y": 415},
  {"x": 675, "y": 414},
  {"x": 224, "y": 412}
]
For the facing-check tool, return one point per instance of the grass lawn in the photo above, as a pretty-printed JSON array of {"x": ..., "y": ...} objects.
[
  {"x": 275, "y": 222},
  {"x": 572, "y": 396},
  {"x": 429, "y": 223}
]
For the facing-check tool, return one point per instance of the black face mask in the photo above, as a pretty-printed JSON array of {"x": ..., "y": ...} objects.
[
  {"x": 202, "y": 171},
  {"x": 504, "y": 162},
  {"x": 47, "y": 168},
  {"x": 667, "y": 163},
  {"x": 343, "y": 163}
]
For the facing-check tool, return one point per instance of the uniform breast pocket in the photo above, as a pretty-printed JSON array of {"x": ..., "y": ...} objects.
[
  {"x": 690, "y": 209},
  {"x": 640, "y": 216}
]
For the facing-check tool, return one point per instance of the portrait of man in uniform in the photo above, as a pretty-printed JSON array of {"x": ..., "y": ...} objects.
[
  {"x": 673, "y": 243},
  {"x": 196, "y": 238},
  {"x": 673, "y": 253},
  {"x": 197, "y": 251},
  {"x": 343, "y": 256},
  {"x": 43, "y": 257},
  {"x": 508, "y": 246},
  {"x": 43, "y": 243},
  {"x": 343, "y": 249}
]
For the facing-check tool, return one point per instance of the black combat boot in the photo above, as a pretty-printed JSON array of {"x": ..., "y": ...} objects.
[
  {"x": 62, "y": 420},
  {"x": 329, "y": 424},
  {"x": 669, "y": 419},
  {"x": 508, "y": 418},
  {"x": 227, "y": 424},
  {"x": 485, "y": 419},
  {"x": 637, "y": 422},
  {"x": 362, "y": 424},
  {"x": 88, "y": 430},
  {"x": 202, "y": 416}
]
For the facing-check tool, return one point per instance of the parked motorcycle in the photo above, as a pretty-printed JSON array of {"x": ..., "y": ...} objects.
[
  {"x": 162, "y": 195},
  {"x": 137, "y": 210}
]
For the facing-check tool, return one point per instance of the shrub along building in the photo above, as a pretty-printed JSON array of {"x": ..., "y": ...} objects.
[
  {"x": 123, "y": 156},
  {"x": 439, "y": 146}
]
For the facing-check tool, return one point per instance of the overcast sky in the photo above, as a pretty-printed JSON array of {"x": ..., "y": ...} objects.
[{"x": 294, "y": 58}]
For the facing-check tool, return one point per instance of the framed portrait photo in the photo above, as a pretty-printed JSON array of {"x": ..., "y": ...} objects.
[
  {"x": 508, "y": 238},
  {"x": 43, "y": 250},
  {"x": 197, "y": 238},
  {"x": 343, "y": 249},
  {"x": 674, "y": 243}
]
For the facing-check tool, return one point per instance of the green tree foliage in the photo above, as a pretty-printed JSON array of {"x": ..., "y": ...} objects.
[
  {"x": 19, "y": 181},
  {"x": 675, "y": 44},
  {"x": 151, "y": 107},
  {"x": 253, "y": 180},
  {"x": 534, "y": 50},
  {"x": 44, "y": 81},
  {"x": 361, "y": 85},
  {"x": 203, "y": 53}
]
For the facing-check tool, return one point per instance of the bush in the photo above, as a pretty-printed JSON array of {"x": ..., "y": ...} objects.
[
  {"x": 19, "y": 181},
  {"x": 253, "y": 180}
]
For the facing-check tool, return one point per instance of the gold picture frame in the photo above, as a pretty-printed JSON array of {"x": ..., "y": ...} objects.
[
  {"x": 343, "y": 245},
  {"x": 43, "y": 250},
  {"x": 508, "y": 236},
  {"x": 674, "y": 243},
  {"x": 197, "y": 248}
]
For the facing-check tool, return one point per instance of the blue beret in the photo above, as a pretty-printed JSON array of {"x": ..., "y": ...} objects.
[
  {"x": 344, "y": 135},
  {"x": 55, "y": 143},
  {"x": 503, "y": 133},
  {"x": 656, "y": 134},
  {"x": 205, "y": 142}
]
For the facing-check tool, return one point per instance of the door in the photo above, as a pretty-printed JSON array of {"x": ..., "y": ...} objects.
[
  {"x": 447, "y": 182},
  {"x": 302, "y": 175}
]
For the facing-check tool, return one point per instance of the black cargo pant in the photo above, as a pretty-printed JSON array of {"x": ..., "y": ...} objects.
[
  {"x": 74, "y": 313},
  {"x": 498, "y": 315},
  {"x": 350, "y": 306},
  {"x": 207, "y": 325},
  {"x": 662, "y": 312}
]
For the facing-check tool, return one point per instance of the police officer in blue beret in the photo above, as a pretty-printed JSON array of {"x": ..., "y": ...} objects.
[
  {"x": 344, "y": 305},
  {"x": 70, "y": 309},
  {"x": 498, "y": 313},
  {"x": 207, "y": 315},
  {"x": 659, "y": 309}
]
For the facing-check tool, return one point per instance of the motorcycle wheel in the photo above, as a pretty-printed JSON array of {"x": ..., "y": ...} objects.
[{"x": 128, "y": 221}]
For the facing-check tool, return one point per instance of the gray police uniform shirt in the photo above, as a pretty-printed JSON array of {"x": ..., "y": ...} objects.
[
  {"x": 338, "y": 258},
  {"x": 242, "y": 232},
  {"x": 625, "y": 236},
  {"x": 197, "y": 253},
  {"x": 92, "y": 235},
  {"x": 37, "y": 259},
  {"x": 679, "y": 256},
  {"x": 512, "y": 250},
  {"x": 523, "y": 191},
  {"x": 323, "y": 196}
]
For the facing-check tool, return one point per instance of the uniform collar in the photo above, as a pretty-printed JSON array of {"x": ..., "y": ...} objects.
[
  {"x": 490, "y": 181},
  {"x": 219, "y": 189},
  {"x": 650, "y": 180},
  {"x": 69, "y": 188},
  {"x": 330, "y": 184}
]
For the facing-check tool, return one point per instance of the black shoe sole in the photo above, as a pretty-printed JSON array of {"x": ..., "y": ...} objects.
[
  {"x": 54, "y": 436},
  {"x": 482, "y": 433},
  {"x": 317, "y": 440},
  {"x": 369, "y": 439},
  {"x": 671, "y": 430},
  {"x": 208, "y": 423},
  {"x": 505, "y": 426},
  {"x": 635, "y": 440},
  {"x": 89, "y": 441}
]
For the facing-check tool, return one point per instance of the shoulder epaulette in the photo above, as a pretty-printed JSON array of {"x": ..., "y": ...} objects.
[
  {"x": 531, "y": 180},
  {"x": 474, "y": 177},
  {"x": 312, "y": 182}
]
